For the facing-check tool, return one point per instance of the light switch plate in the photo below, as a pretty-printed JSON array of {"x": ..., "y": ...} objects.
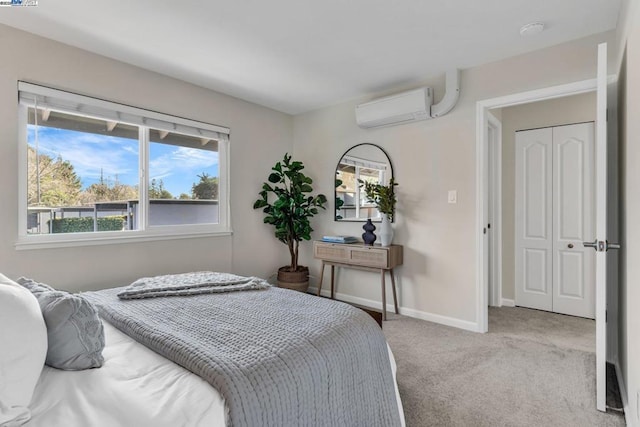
[{"x": 453, "y": 196}]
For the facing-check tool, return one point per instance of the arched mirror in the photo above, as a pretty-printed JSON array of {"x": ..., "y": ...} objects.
[{"x": 366, "y": 162}]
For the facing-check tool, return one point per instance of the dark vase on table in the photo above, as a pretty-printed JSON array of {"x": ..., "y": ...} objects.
[{"x": 368, "y": 237}]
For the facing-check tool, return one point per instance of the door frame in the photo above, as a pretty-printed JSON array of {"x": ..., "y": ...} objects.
[
  {"x": 494, "y": 139},
  {"x": 483, "y": 187}
]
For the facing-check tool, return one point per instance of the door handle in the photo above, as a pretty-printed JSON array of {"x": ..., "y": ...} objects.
[
  {"x": 601, "y": 246},
  {"x": 570, "y": 245}
]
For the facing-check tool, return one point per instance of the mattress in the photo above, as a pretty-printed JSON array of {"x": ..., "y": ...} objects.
[{"x": 135, "y": 387}]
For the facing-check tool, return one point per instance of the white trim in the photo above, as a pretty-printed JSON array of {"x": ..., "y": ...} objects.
[
  {"x": 482, "y": 287},
  {"x": 559, "y": 91},
  {"x": 143, "y": 189},
  {"x": 623, "y": 395},
  {"x": 482, "y": 110},
  {"x": 115, "y": 237},
  {"x": 507, "y": 302},
  {"x": 23, "y": 169},
  {"x": 224, "y": 184},
  {"x": 495, "y": 233},
  {"x": 410, "y": 312}
]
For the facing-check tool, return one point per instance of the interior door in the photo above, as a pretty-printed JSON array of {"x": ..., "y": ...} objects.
[
  {"x": 534, "y": 242},
  {"x": 573, "y": 220},
  {"x": 600, "y": 243}
]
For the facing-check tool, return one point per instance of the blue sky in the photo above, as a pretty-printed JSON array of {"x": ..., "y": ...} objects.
[{"x": 178, "y": 167}]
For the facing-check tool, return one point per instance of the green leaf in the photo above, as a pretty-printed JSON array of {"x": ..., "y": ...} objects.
[
  {"x": 259, "y": 204},
  {"x": 274, "y": 178}
]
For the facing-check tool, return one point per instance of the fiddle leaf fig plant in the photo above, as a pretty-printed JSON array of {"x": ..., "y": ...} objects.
[
  {"x": 383, "y": 196},
  {"x": 288, "y": 205}
]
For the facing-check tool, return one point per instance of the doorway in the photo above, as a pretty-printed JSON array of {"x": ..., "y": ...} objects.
[
  {"x": 502, "y": 183},
  {"x": 604, "y": 198}
]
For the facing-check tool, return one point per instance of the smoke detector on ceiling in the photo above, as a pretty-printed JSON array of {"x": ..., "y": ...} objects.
[{"x": 531, "y": 29}]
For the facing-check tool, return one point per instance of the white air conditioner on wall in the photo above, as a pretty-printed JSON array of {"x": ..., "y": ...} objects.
[{"x": 407, "y": 106}]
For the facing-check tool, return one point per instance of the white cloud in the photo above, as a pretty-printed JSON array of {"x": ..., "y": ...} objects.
[
  {"x": 182, "y": 161},
  {"x": 91, "y": 154}
]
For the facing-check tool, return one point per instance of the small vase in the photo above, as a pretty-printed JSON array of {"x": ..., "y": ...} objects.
[
  {"x": 386, "y": 231},
  {"x": 368, "y": 237}
]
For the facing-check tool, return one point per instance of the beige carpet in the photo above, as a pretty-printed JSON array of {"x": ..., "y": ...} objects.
[{"x": 532, "y": 369}]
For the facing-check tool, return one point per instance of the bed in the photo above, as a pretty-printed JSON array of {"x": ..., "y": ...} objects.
[{"x": 138, "y": 386}]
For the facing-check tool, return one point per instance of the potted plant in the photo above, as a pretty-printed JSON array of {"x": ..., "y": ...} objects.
[
  {"x": 384, "y": 197},
  {"x": 289, "y": 210}
]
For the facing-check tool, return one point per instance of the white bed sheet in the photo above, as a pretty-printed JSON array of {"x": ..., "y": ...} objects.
[{"x": 134, "y": 387}]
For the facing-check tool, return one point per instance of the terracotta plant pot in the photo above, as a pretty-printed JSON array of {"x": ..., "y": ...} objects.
[{"x": 296, "y": 280}]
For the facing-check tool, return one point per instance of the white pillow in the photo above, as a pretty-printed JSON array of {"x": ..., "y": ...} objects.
[{"x": 23, "y": 335}]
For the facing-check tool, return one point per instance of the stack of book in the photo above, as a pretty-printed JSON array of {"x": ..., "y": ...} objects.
[{"x": 339, "y": 239}]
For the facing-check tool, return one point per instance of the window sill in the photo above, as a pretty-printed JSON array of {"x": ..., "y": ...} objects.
[{"x": 91, "y": 239}]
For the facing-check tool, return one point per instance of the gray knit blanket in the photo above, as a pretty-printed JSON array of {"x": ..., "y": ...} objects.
[
  {"x": 200, "y": 282},
  {"x": 278, "y": 357}
]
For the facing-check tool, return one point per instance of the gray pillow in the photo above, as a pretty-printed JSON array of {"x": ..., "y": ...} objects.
[{"x": 74, "y": 330}]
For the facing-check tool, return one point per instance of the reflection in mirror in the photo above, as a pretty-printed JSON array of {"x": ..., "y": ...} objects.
[{"x": 366, "y": 162}]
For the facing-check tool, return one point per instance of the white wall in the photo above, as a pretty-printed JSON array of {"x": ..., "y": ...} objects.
[
  {"x": 429, "y": 158},
  {"x": 259, "y": 137},
  {"x": 629, "y": 137},
  {"x": 554, "y": 112}
]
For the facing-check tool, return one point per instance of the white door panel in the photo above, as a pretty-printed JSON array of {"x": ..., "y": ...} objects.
[
  {"x": 574, "y": 265},
  {"x": 534, "y": 245},
  {"x": 569, "y": 275},
  {"x": 535, "y": 266},
  {"x": 554, "y": 215}
]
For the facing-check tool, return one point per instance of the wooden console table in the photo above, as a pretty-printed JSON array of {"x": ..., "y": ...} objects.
[{"x": 362, "y": 257}]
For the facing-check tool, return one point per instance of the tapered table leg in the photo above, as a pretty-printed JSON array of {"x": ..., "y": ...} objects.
[
  {"x": 333, "y": 271},
  {"x": 393, "y": 286},
  {"x": 321, "y": 277},
  {"x": 384, "y": 297}
]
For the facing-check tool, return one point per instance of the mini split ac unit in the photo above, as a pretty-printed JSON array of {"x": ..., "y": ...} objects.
[
  {"x": 409, "y": 106},
  {"x": 402, "y": 107}
]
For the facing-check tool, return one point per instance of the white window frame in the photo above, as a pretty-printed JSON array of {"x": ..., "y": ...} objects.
[{"x": 146, "y": 120}]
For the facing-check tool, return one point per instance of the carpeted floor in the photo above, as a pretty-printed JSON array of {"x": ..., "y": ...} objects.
[{"x": 532, "y": 369}]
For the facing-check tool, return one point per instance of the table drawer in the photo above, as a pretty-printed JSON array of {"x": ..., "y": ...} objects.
[
  {"x": 331, "y": 252},
  {"x": 357, "y": 255},
  {"x": 370, "y": 257}
]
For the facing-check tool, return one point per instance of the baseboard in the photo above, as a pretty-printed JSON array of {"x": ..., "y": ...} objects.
[
  {"x": 423, "y": 315},
  {"x": 623, "y": 395},
  {"x": 508, "y": 302}
]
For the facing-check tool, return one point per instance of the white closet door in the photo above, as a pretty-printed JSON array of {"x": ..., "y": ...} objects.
[
  {"x": 534, "y": 236},
  {"x": 573, "y": 220}
]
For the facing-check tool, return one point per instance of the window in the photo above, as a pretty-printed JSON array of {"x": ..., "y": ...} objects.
[{"x": 84, "y": 164}]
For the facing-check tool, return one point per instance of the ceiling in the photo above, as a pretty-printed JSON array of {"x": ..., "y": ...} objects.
[{"x": 298, "y": 55}]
